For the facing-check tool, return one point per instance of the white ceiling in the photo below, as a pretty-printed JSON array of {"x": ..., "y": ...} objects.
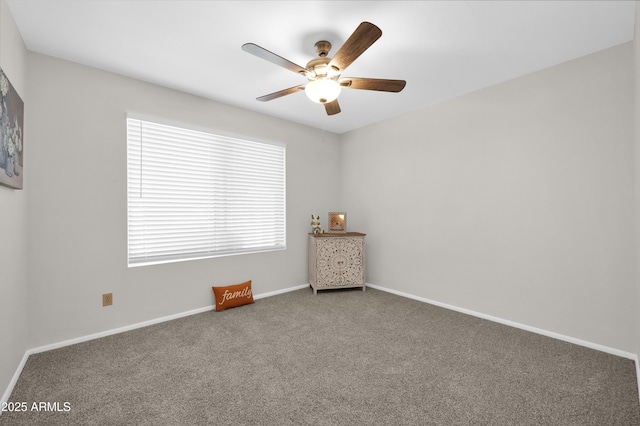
[{"x": 442, "y": 49}]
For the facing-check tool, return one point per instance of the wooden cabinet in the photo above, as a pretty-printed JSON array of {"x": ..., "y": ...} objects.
[{"x": 336, "y": 261}]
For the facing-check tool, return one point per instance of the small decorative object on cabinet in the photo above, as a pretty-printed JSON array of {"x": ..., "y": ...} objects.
[
  {"x": 337, "y": 221},
  {"x": 336, "y": 261},
  {"x": 315, "y": 225}
]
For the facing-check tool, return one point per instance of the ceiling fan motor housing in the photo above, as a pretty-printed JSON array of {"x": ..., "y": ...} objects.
[
  {"x": 319, "y": 65},
  {"x": 322, "y": 48}
]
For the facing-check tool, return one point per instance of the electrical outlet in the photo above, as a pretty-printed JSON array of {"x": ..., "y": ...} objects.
[{"x": 107, "y": 299}]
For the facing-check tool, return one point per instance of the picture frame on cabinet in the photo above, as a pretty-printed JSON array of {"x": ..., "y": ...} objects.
[{"x": 338, "y": 222}]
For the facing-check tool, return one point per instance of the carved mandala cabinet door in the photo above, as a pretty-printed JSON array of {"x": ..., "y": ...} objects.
[{"x": 336, "y": 261}]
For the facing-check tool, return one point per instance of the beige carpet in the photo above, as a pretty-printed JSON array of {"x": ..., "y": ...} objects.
[{"x": 339, "y": 358}]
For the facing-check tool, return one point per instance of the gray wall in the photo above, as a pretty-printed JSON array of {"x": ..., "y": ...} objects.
[
  {"x": 515, "y": 201},
  {"x": 77, "y": 202},
  {"x": 13, "y": 222}
]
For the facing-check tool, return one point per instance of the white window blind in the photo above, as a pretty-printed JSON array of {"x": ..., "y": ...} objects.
[{"x": 194, "y": 194}]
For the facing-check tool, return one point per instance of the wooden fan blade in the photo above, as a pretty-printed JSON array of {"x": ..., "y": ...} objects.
[
  {"x": 332, "y": 107},
  {"x": 263, "y": 53},
  {"x": 379, "y": 84},
  {"x": 362, "y": 38},
  {"x": 281, "y": 93}
]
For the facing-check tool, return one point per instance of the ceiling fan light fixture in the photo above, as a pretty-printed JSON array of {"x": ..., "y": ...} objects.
[{"x": 322, "y": 90}]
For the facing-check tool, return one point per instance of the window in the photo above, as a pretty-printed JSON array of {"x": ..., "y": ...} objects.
[{"x": 193, "y": 194}]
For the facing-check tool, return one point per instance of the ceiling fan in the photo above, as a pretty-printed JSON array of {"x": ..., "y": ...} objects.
[{"x": 324, "y": 73}]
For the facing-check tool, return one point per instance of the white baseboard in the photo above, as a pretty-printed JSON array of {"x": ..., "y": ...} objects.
[
  {"x": 275, "y": 293},
  {"x": 14, "y": 380},
  {"x": 150, "y": 322},
  {"x": 547, "y": 333}
]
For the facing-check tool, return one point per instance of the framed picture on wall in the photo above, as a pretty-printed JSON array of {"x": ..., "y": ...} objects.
[
  {"x": 11, "y": 135},
  {"x": 338, "y": 222}
]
